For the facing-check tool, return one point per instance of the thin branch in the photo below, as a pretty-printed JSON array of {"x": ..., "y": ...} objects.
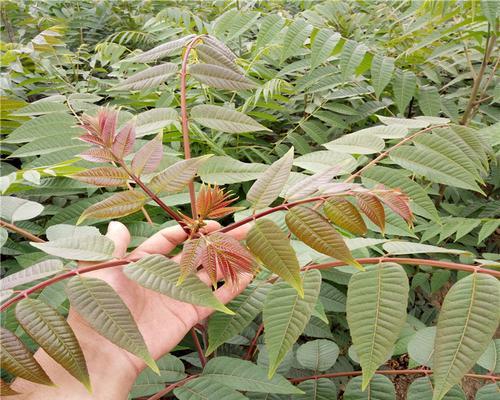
[
  {"x": 185, "y": 120},
  {"x": 253, "y": 344},
  {"x": 410, "y": 261},
  {"x": 386, "y": 153},
  {"x": 24, "y": 293},
  {"x": 171, "y": 387},
  {"x": 490, "y": 44},
  {"x": 21, "y": 231},
  {"x": 386, "y": 372},
  {"x": 201, "y": 354},
  {"x": 153, "y": 196}
]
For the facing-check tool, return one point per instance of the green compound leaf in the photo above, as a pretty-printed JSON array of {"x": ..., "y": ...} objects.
[
  {"x": 272, "y": 246},
  {"x": 286, "y": 315},
  {"x": 51, "y": 331},
  {"x": 466, "y": 324},
  {"x": 105, "y": 311},
  {"x": 376, "y": 313},
  {"x": 246, "y": 306},
  {"x": 161, "y": 274},
  {"x": 246, "y": 376},
  {"x": 18, "y": 360},
  {"x": 380, "y": 388}
]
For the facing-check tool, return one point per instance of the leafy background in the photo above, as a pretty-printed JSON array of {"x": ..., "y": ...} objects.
[{"x": 323, "y": 70}]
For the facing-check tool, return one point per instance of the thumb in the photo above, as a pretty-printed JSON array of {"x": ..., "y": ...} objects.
[{"x": 120, "y": 235}]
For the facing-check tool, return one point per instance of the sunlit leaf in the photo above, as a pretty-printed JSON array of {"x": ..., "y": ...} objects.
[
  {"x": 15, "y": 209},
  {"x": 345, "y": 215},
  {"x": 83, "y": 248},
  {"x": 372, "y": 208},
  {"x": 220, "y": 77},
  {"x": 117, "y": 205},
  {"x": 225, "y": 120},
  {"x": 102, "y": 176},
  {"x": 148, "y": 158},
  {"x": 38, "y": 271},
  {"x": 151, "y": 77}
]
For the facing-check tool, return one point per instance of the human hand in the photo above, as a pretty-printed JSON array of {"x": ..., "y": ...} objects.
[{"x": 162, "y": 321}]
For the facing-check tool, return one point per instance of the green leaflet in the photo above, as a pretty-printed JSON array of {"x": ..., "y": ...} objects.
[
  {"x": 220, "y": 77},
  {"x": 376, "y": 313},
  {"x": 344, "y": 214},
  {"x": 246, "y": 376},
  {"x": 421, "y": 389},
  {"x": 488, "y": 392},
  {"x": 272, "y": 246},
  {"x": 295, "y": 36},
  {"x": 381, "y": 73},
  {"x": 51, "y": 331},
  {"x": 32, "y": 273},
  {"x": 225, "y": 120},
  {"x": 317, "y": 389},
  {"x": 404, "y": 86},
  {"x": 206, "y": 389},
  {"x": 246, "y": 306},
  {"x": 18, "y": 360},
  {"x": 270, "y": 184},
  {"x": 323, "y": 45},
  {"x": 82, "y": 248},
  {"x": 286, "y": 315},
  {"x": 315, "y": 231},
  {"x": 161, "y": 274},
  {"x": 105, "y": 311},
  {"x": 270, "y": 27},
  {"x": 318, "y": 355},
  {"x": 148, "y": 382},
  {"x": 466, "y": 324},
  {"x": 151, "y": 77},
  {"x": 118, "y": 205},
  {"x": 380, "y": 388}
]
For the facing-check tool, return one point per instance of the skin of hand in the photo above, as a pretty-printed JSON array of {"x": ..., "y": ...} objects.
[{"x": 162, "y": 321}]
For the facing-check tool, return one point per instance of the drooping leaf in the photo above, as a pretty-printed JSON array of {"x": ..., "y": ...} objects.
[
  {"x": 272, "y": 247},
  {"x": 162, "y": 50},
  {"x": 246, "y": 306},
  {"x": 161, "y": 274},
  {"x": 376, "y": 313},
  {"x": 268, "y": 187},
  {"x": 15, "y": 209},
  {"x": 286, "y": 315},
  {"x": 82, "y": 248},
  {"x": 19, "y": 361},
  {"x": 223, "y": 170},
  {"x": 355, "y": 143},
  {"x": 220, "y": 77},
  {"x": 421, "y": 389},
  {"x": 38, "y": 271},
  {"x": 225, "y": 119},
  {"x": 105, "y": 311},
  {"x": 467, "y": 321},
  {"x": 381, "y": 73},
  {"x": 345, "y": 215},
  {"x": 295, "y": 37},
  {"x": 315, "y": 231},
  {"x": 404, "y": 86},
  {"x": 152, "y": 120},
  {"x": 176, "y": 177},
  {"x": 117, "y": 205},
  {"x": 318, "y": 355},
  {"x": 246, "y": 376},
  {"x": 323, "y": 45},
  {"x": 206, "y": 389},
  {"x": 380, "y": 388},
  {"x": 102, "y": 176},
  {"x": 51, "y": 331},
  {"x": 151, "y": 77},
  {"x": 213, "y": 55},
  {"x": 148, "y": 158},
  {"x": 372, "y": 208}
]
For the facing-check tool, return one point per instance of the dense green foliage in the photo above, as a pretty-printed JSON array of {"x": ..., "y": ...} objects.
[{"x": 306, "y": 98}]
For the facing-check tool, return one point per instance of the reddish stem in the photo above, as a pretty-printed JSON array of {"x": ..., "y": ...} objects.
[
  {"x": 253, "y": 344},
  {"x": 185, "y": 120},
  {"x": 171, "y": 387},
  {"x": 21, "y": 231},
  {"x": 201, "y": 355},
  {"x": 385, "y": 372}
]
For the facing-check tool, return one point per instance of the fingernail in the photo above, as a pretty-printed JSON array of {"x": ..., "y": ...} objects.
[{"x": 113, "y": 226}]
